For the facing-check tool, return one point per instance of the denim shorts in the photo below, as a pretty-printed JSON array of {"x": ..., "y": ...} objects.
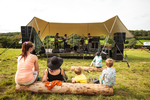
[
  {"x": 101, "y": 78},
  {"x": 35, "y": 74}
]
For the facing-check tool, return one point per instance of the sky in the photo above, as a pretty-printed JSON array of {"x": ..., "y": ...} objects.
[{"x": 135, "y": 14}]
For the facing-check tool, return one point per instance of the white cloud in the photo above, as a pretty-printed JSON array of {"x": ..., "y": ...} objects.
[{"x": 15, "y": 13}]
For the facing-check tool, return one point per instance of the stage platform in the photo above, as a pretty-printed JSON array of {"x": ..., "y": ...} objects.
[{"x": 72, "y": 54}]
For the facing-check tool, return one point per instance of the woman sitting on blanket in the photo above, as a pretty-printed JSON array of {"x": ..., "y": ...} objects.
[{"x": 54, "y": 72}]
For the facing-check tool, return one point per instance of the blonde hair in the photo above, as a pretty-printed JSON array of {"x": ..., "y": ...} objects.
[
  {"x": 109, "y": 62},
  {"x": 77, "y": 70}
]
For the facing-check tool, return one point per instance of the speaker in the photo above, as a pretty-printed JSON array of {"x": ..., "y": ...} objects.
[
  {"x": 96, "y": 39},
  {"x": 108, "y": 51},
  {"x": 119, "y": 37},
  {"x": 117, "y": 51},
  {"x": 55, "y": 50},
  {"x": 118, "y": 57},
  {"x": 68, "y": 49},
  {"x": 80, "y": 51},
  {"x": 95, "y": 45},
  {"x": 119, "y": 46},
  {"x": 26, "y": 32}
]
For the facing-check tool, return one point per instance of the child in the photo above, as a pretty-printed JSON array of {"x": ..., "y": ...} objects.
[
  {"x": 80, "y": 78},
  {"x": 108, "y": 76},
  {"x": 97, "y": 61}
]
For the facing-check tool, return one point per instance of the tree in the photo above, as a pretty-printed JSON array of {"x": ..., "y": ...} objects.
[{"x": 132, "y": 42}]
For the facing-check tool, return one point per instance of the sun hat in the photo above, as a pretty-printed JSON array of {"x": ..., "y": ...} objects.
[{"x": 54, "y": 62}]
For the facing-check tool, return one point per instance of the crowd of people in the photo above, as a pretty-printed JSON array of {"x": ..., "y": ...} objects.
[{"x": 28, "y": 69}]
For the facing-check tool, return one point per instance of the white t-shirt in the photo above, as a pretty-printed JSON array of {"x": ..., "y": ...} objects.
[
  {"x": 109, "y": 75},
  {"x": 98, "y": 61},
  {"x": 65, "y": 38}
]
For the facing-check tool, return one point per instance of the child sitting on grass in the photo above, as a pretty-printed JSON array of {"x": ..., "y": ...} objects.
[
  {"x": 108, "y": 76},
  {"x": 97, "y": 61},
  {"x": 80, "y": 78}
]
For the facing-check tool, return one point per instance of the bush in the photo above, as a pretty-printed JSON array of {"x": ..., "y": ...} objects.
[{"x": 132, "y": 42}]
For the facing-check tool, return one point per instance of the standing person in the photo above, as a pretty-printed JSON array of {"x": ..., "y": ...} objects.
[
  {"x": 97, "y": 61},
  {"x": 27, "y": 74},
  {"x": 54, "y": 72},
  {"x": 89, "y": 43},
  {"x": 81, "y": 43},
  {"x": 65, "y": 38},
  {"x": 56, "y": 40},
  {"x": 80, "y": 78},
  {"x": 108, "y": 76}
]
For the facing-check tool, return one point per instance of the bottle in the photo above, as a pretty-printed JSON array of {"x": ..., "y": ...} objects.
[{"x": 88, "y": 71}]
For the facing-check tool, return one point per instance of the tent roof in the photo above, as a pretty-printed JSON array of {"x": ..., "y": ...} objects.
[{"x": 111, "y": 26}]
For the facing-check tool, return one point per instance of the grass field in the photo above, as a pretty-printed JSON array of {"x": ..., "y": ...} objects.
[{"x": 131, "y": 83}]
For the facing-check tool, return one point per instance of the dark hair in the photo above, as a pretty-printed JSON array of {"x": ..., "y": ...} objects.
[
  {"x": 65, "y": 34},
  {"x": 98, "y": 53},
  {"x": 57, "y": 33},
  {"x": 25, "y": 48},
  {"x": 88, "y": 33}
]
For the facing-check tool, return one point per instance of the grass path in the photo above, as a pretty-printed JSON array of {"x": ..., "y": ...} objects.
[{"x": 131, "y": 83}]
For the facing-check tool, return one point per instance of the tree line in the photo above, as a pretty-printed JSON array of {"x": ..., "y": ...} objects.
[{"x": 10, "y": 38}]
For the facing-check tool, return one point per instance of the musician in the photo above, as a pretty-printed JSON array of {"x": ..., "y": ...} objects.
[
  {"x": 65, "y": 38},
  {"x": 89, "y": 43},
  {"x": 56, "y": 40},
  {"x": 82, "y": 43}
]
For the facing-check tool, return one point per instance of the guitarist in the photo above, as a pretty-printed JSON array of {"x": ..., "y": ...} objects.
[
  {"x": 56, "y": 40},
  {"x": 65, "y": 38}
]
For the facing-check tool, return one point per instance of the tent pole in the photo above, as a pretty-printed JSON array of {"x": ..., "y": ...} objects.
[
  {"x": 124, "y": 47},
  {"x": 109, "y": 34},
  {"x": 10, "y": 45},
  {"x": 41, "y": 37},
  {"x": 49, "y": 35},
  {"x": 31, "y": 31},
  {"x": 113, "y": 25},
  {"x": 73, "y": 41},
  {"x": 122, "y": 39},
  {"x": 47, "y": 43},
  {"x": 106, "y": 27},
  {"x": 37, "y": 24},
  {"x": 106, "y": 39}
]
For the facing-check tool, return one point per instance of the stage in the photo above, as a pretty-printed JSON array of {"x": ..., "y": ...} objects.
[{"x": 72, "y": 54}]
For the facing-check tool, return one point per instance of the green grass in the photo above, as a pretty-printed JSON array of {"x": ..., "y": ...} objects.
[
  {"x": 131, "y": 83},
  {"x": 139, "y": 42}
]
